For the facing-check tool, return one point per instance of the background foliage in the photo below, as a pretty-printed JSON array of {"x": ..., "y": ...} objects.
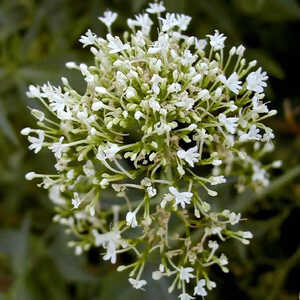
[{"x": 36, "y": 38}]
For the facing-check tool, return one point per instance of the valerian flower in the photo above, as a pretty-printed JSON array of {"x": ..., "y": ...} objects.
[{"x": 164, "y": 117}]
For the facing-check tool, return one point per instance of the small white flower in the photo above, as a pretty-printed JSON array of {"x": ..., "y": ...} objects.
[
  {"x": 131, "y": 219},
  {"x": 37, "y": 143},
  {"x": 110, "y": 252},
  {"x": 191, "y": 156},
  {"x": 223, "y": 260},
  {"x": 256, "y": 81},
  {"x": 212, "y": 193},
  {"x": 253, "y": 134},
  {"x": 30, "y": 175},
  {"x": 71, "y": 65},
  {"x": 156, "y": 80},
  {"x": 234, "y": 218},
  {"x": 109, "y": 18},
  {"x": 161, "y": 45},
  {"x": 232, "y": 83},
  {"x": 89, "y": 78},
  {"x": 38, "y": 114},
  {"x": 216, "y": 162},
  {"x": 203, "y": 94},
  {"x": 108, "y": 152},
  {"x": 211, "y": 284},
  {"x": 78, "y": 250},
  {"x": 138, "y": 115},
  {"x": 26, "y": 131},
  {"x": 116, "y": 45},
  {"x": 188, "y": 58},
  {"x": 277, "y": 164},
  {"x": 101, "y": 90},
  {"x": 157, "y": 275},
  {"x": 151, "y": 191},
  {"x": 185, "y": 102},
  {"x": 247, "y": 235},
  {"x": 217, "y": 40},
  {"x": 268, "y": 135},
  {"x": 70, "y": 174},
  {"x": 197, "y": 78},
  {"x": 97, "y": 105},
  {"x": 240, "y": 50},
  {"x": 213, "y": 245},
  {"x": 217, "y": 180},
  {"x": 109, "y": 241},
  {"x": 174, "y": 87},
  {"x": 183, "y": 21},
  {"x": 76, "y": 201},
  {"x": 168, "y": 22},
  {"x": 137, "y": 284},
  {"x": 259, "y": 107},
  {"x": 185, "y": 296},
  {"x": 185, "y": 274},
  {"x": 155, "y": 8},
  {"x": 192, "y": 127},
  {"x": 154, "y": 105},
  {"x": 167, "y": 198},
  {"x": 142, "y": 21},
  {"x": 34, "y": 92},
  {"x": 55, "y": 195},
  {"x": 130, "y": 92},
  {"x": 259, "y": 175},
  {"x": 58, "y": 148},
  {"x": 88, "y": 39},
  {"x": 199, "y": 288},
  {"x": 89, "y": 169},
  {"x": 200, "y": 44},
  {"x": 181, "y": 198},
  {"x": 229, "y": 123}
]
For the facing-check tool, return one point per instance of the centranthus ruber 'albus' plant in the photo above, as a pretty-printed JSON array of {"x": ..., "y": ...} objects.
[{"x": 164, "y": 118}]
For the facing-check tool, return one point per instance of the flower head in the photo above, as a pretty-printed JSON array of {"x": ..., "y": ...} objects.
[{"x": 164, "y": 115}]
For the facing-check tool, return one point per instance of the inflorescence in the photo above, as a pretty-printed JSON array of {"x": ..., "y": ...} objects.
[{"x": 162, "y": 121}]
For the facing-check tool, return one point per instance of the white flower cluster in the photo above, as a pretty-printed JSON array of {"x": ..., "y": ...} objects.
[{"x": 164, "y": 118}]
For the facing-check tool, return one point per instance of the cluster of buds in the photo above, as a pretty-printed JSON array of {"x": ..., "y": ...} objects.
[{"x": 164, "y": 118}]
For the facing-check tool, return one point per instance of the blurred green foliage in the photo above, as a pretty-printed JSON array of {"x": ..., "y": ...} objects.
[{"x": 36, "y": 38}]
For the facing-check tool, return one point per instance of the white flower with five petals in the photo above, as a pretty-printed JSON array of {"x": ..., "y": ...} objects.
[
  {"x": 185, "y": 274},
  {"x": 108, "y": 18},
  {"x": 199, "y": 288},
  {"x": 191, "y": 156},
  {"x": 232, "y": 82}
]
